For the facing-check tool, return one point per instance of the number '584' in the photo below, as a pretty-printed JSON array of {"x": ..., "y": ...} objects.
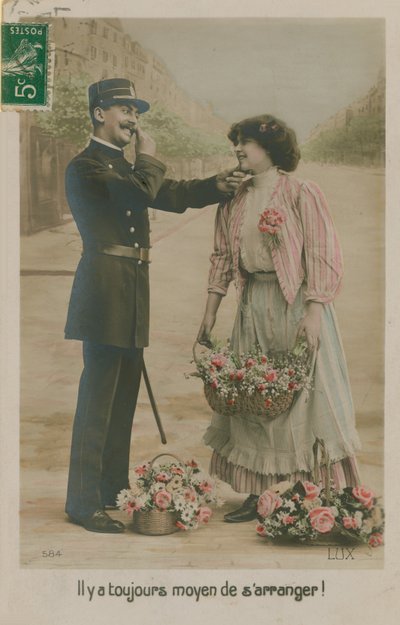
[{"x": 22, "y": 90}]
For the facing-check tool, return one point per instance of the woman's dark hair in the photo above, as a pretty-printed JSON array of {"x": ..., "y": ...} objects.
[{"x": 273, "y": 135}]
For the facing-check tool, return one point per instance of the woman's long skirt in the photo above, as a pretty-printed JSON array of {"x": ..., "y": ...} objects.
[{"x": 252, "y": 453}]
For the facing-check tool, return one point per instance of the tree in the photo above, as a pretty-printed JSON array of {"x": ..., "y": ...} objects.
[
  {"x": 361, "y": 142},
  {"x": 69, "y": 119}
]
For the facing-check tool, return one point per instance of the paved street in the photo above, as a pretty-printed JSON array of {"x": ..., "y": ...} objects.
[{"x": 51, "y": 366}]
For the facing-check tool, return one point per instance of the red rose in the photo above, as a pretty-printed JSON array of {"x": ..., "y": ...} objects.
[
  {"x": 260, "y": 529},
  {"x": 268, "y": 402}
]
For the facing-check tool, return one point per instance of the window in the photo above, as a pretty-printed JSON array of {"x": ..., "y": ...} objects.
[
  {"x": 126, "y": 61},
  {"x": 93, "y": 28},
  {"x": 105, "y": 33},
  {"x": 105, "y": 56},
  {"x": 115, "y": 38},
  {"x": 114, "y": 60},
  {"x": 93, "y": 53}
]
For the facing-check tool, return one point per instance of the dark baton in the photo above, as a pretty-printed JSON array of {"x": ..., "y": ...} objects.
[{"x": 154, "y": 406}]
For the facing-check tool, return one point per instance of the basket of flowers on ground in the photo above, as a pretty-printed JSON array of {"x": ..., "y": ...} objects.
[
  {"x": 168, "y": 496},
  {"x": 254, "y": 382},
  {"x": 316, "y": 513}
]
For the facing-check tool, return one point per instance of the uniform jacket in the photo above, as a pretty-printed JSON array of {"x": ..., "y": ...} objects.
[
  {"x": 108, "y": 198},
  {"x": 309, "y": 250}
]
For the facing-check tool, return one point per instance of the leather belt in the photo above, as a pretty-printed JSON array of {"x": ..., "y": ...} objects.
[{"x": 110, "y": 249}]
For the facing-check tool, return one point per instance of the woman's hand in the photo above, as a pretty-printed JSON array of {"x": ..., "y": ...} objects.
[
  {"x": 204, "y": 335},
  {"x": 209, "y": 319},
  {"x": 310, "y": 325}
]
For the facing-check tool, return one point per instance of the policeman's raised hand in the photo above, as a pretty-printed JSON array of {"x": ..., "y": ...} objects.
[
  {"x": 229, "y": 180},
  {"x": 144, "y": 143}
]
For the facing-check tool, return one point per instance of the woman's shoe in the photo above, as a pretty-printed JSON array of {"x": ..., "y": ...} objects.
[{"x": 247, "y": 511}]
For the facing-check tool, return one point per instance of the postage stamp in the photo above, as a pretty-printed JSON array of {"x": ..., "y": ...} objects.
[{"x": 25, "y": 66}]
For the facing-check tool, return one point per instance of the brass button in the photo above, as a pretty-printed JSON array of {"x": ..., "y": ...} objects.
[
  {"x": 110, "y": 166},
  {"x": 139, "y": 262},
  {"x": 128, "y": 213},
  {"x": 131, "y": 229},
  {"x": 136, "y": 245}
]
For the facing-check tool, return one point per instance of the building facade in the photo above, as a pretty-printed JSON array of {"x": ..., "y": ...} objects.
[{"x": 372, "y": 103}]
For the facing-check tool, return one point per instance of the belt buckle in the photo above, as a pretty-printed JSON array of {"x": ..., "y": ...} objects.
[{"x": 144, "y": 254}]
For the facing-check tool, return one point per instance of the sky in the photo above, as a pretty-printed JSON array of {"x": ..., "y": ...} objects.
[{"x": 302, "y": 70}]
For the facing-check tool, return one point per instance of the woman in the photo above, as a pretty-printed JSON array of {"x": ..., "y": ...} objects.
[{"x": 286, "y": 283}]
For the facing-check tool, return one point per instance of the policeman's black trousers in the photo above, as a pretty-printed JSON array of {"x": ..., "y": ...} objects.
[{"x": 99, "y": 464}]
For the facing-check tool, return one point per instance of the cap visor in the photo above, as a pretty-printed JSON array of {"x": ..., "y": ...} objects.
[{"x": 141, "y": 105}]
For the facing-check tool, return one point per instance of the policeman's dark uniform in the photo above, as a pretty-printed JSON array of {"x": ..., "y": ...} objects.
[{"x": 109, "y": 305}]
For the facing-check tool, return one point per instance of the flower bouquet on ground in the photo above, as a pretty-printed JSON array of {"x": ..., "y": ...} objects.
[
  {"x": 169, "y": 496},
  {"x": 253, "y": 383},
  {"x": 312, "y": 513}
]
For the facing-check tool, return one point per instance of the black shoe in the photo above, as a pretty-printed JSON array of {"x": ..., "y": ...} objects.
[
  {"x": 99, "y": 521},
  {"x": 247, "y": 511}
]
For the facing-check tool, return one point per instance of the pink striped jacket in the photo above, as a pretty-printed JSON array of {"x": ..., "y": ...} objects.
[{"x": 309, "y": 250}]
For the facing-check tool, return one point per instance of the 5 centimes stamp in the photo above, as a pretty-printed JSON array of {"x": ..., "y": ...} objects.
[{"x": 25, "y": 66}]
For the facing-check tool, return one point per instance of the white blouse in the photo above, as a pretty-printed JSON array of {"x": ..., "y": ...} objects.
[{"x": 255, "y": 254}]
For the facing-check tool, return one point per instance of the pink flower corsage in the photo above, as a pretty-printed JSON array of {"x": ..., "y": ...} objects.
[{"x": 270, "y": 223}]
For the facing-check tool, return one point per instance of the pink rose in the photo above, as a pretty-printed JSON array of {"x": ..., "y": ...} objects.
[
  {"x": 214, "y": 384},
  {"x": 142, "y": 469},
  {"x": 250, "y": 362},
  {"x": 264, "y": 360},
  {"x": 192, "y": 464},
  {"x": 190, "y": 494},
  {"x": 181, "y": 525},
  {"x": 288, "y": 520},
  {"x": 268, "y": 502},
  {"x": 261, "y": 387},
  {"x": 268, "y": 402},
  {"x": 260, "y": 529},
  {"x": 312, "y": 490},
  {"x": 205, "y": 486},
  {"x": 218, "y": 361},
  {"x": 162, "y": 477},
  {"x": 204, "y": 514},
  {"x": 375, "y": 540},
  {"x": 321, "y": 519},
  {"x": 348, "y": 522},
  {"x": 271, "y": 376},
  {"x": 177, "y": 470},
  {"x": 364, "y": 495},
  {"x": 162, "y": 499},
  {"x": 240, "y": 374}
]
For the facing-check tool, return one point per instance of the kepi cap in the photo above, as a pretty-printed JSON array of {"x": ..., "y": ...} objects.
[{"x": 115, "y": 91}]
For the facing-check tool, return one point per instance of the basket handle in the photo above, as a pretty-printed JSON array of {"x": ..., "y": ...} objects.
[
  {"x": 165, "y": 454},
  {"x": 319, "y": 444},
  {"x": 195, "y": 357}
]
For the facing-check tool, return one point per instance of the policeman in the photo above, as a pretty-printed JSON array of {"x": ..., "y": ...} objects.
[{"x": 109, "y": 305}]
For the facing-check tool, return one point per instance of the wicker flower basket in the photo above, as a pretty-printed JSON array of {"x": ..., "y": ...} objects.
[
  {"x": 155, "y": 522},
  {"x": 336, "y": 536},
  {"x": 253, "y": 404}
]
